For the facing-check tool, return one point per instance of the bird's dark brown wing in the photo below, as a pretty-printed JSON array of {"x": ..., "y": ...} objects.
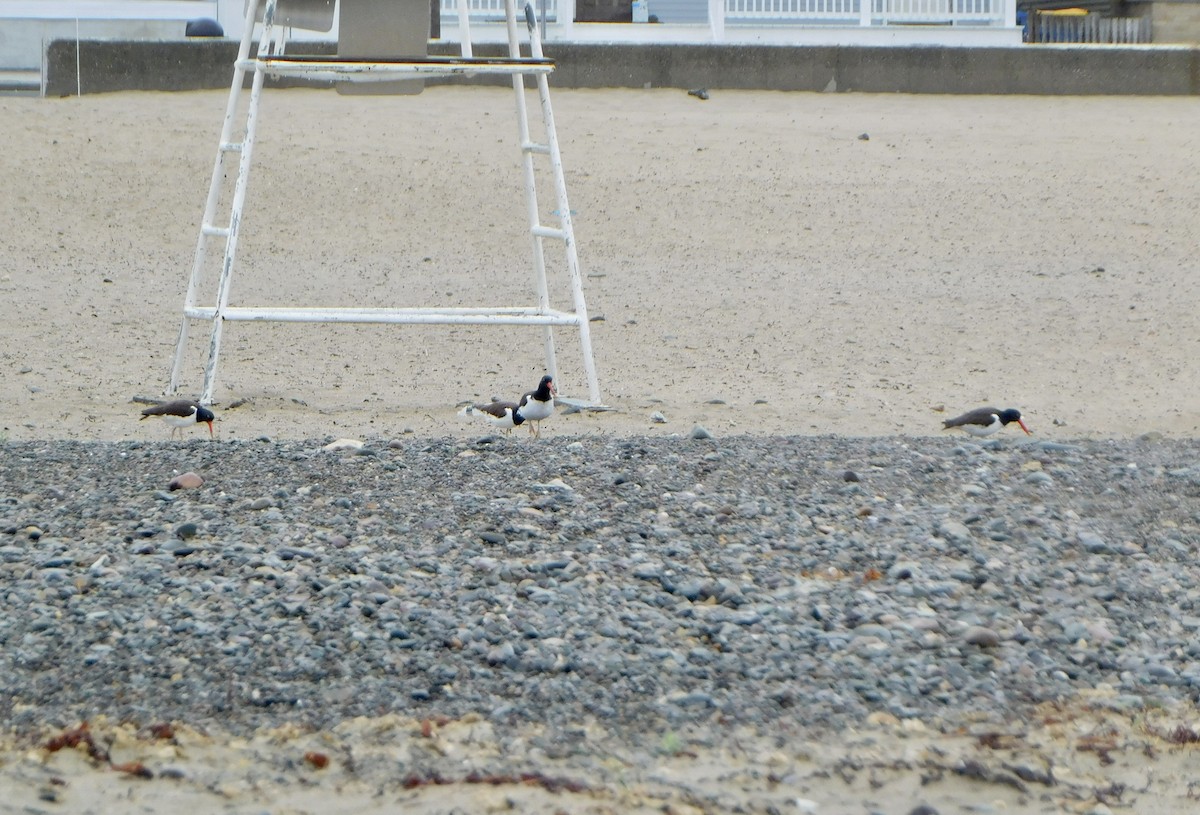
[
  {"x": 980, "y": 416},
  {"x": 179, "y": 407},
  {"x": 497, "y": 408}
]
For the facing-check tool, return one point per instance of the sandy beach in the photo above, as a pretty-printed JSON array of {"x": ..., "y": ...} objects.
[
  {"x": 758, "y": 262},
  {"x": 1075, "y": 759}
]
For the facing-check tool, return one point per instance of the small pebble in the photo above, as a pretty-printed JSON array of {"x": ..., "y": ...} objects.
[
  {"x": 343, "y": 444},
  {"x": 982, "y": 636}
]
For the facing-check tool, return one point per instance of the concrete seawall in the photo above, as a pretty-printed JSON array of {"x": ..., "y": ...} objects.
[{"x": 1042, "y": 70}]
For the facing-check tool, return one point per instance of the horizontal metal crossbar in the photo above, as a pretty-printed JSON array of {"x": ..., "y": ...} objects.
[
  {"x": 344, "y": 68},
  {"x": 549, "y": 232},
  {"x": 410, "y": 316}
]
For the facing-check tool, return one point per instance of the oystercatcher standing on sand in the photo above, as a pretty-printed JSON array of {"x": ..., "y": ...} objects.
[
  {"x": 181, "y": 413},
  {"x": 499, "y": 414},
  {"x": 985, "y": 421},
  {"x": 538, "y": 404}
]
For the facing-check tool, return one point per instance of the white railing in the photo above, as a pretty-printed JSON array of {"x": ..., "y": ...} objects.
[
  {"x": 790, "y": 12},
  {"x": 795, "y": 10},
  {"x": 108, "y": 9},
  {"x": 866, "y": 12},
  {"x": 938, "y": 11},
  {"x": 492, "y": 10}
]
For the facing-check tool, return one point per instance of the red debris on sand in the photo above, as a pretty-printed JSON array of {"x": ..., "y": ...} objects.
[
  {"x": 163, "y": 730},
  {"x": 413, "y": 781},
  {"x": 135, "y": 768},
  {"x": 82, "y": 735},
  {"x": 1183, "y": 735},
  {"x": 548, "y": 783},
  {"x": 75, "y": 737}
]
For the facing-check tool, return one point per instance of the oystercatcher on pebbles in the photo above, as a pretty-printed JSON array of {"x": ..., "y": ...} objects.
[
  {"x": 985, "y": 421},
  {"x": 538, "y": 404},
  {"x": 181, "y": 413}
]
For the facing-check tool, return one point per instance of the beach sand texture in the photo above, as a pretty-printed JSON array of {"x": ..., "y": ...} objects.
[{"x": 758, "y": 265}]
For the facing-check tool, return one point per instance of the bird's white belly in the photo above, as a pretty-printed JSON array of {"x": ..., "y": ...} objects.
[{"x": 536, "y": 411}]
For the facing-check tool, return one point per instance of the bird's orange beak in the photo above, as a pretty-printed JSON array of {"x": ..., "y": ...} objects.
[
  {"x": 210, "y": 429},
  {"x": 1023, "y": 427}
]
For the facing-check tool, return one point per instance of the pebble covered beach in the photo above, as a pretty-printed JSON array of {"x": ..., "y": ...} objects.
[{"x": 775, "y": 585}]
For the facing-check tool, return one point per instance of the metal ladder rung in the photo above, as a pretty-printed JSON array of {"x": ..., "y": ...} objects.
[
  {"x": 410, "y": 316},
  {"x": 548, "y": 232},
  {"x": 215, "y": 231},
  {"x": 368, "y": 70},
  {"x": 230, "y": 147},
  {"x": 534, "y": 147}
]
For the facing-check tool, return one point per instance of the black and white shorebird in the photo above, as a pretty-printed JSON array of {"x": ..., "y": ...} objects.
[
  {"x": 538, "y": 404},
  {"x": 181, "y": 413},
  {"x": 498, "y": 413},
  {"x": 985, "y": 421}
]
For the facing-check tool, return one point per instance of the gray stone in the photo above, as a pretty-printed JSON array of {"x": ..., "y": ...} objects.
[
  {"x": 954, "y": 531},
  {"x": 1093, "y": 543},
  {"x": 982, "y": 636}
]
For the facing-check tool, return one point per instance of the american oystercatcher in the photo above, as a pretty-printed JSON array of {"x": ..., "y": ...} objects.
[
  {"x": 181, "y": 413},
  {"x": 538, "y": 404},
  {"x": 502, "y": 415},
  {"x": 985, "y": 421}
]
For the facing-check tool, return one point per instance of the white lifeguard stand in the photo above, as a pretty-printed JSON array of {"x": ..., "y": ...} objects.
[{"x": 365, "y": 27}]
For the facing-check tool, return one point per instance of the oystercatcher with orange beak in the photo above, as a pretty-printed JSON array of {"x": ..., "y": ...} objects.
[
  {"x": 538, "y": 404},
  {"x": 181, "y": 413},
  {"x": 985, "y": 421}
]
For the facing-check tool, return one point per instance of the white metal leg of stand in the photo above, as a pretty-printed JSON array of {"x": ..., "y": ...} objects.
[
  {"x": 538, "y": 233},
  {"x": 271, "y": 61},
  {"x": 208, "y": 229}
]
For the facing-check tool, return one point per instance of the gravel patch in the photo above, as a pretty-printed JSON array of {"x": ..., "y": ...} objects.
[{"x": 776, "y": 583}]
